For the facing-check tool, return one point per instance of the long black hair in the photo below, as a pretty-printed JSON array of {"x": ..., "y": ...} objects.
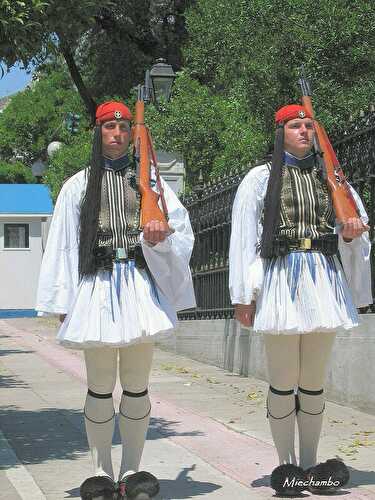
[
  {"x": 90, "y": 208},
  {"x": 272, "y": 199}
]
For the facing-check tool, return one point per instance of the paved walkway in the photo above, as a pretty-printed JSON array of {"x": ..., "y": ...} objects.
[{"x": 208, "y": 436}]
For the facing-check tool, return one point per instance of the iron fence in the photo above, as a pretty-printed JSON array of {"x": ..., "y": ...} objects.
[{"x": 210, "y": 208}]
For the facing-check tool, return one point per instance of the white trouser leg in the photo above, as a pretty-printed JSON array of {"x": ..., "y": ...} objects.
[
  {"x": 315, "y": 350},
  {"x": 282, "y": 352},
  {"x": 135, "y": 407},
  {"x": 101, "y": 367}
]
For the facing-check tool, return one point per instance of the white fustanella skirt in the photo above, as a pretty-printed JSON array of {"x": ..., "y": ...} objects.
[
  {"x": 304, "y": 292},
  {"x": 115, "y": 309}
]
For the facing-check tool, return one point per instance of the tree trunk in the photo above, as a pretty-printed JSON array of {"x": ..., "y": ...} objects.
[{"x": 77, "y": 79}]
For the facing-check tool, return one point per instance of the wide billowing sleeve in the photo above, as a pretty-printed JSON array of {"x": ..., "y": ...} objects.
[
  {"x": 355, "y": 258},
  {"x": 168, "y": 261},
  {"x": 58, "y": 279},
  {"x": 245, "y": 264}
]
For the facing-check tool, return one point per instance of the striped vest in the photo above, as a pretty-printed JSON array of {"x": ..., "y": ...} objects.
[
  {"x": 118, "y": 224},
  {"x": 306, "y": 209}
]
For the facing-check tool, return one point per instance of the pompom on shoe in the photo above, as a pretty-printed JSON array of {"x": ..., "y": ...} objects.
[
  {"x": 97, "y": 488},
  {"x": 139, "y": 486},
  {"x": 327, "y": 477},
  {"x": 288, "y": 480}
]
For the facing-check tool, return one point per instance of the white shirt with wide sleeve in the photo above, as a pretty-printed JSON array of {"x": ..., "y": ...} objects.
[
  {"x": 125, "y": 305},
  {"x": 246, "y": 267}
]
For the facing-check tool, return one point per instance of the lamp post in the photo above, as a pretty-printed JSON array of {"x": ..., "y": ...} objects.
[
  {"x": 161, "y": 76},
  {"x": 38, "y": 168},
  {"x": 158, "y": 87}
]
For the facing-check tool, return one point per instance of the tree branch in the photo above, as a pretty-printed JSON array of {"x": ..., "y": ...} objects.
[{"x": 77, "y": 79}]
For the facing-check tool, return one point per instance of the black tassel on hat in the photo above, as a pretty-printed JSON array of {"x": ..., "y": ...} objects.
[
  {"x": 90, "y": 208},
  {"x": 272, "y": 199}
]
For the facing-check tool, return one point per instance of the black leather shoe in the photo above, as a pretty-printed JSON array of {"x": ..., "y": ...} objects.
[
  {"x": 327, "y": 477},
  {"x": 288, "y": 480},
  {"x": 139, "y": 486},
  {"x": 97, "y": 488}
]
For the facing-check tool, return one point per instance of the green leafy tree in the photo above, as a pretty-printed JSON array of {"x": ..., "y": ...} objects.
[
  {"x": 36, "y": 116},
  {"x": 15, "y": 173},
  {"x": 67, "y": 161},
  {"x": 214, "y": 133},
  {"x": 262, "y": 44},
  {"x": 106, "y": 45}
]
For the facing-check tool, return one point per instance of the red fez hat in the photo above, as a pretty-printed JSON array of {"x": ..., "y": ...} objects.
[
  {"x": 290, "y": 112},
  {"x": 112, "y": 110}
]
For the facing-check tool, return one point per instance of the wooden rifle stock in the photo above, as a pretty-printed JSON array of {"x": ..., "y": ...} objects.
[
  {"x": 144, "y": 153},
  {"x": 343, "y": 202}
]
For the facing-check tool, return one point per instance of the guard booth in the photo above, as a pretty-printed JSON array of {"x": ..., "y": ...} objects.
[
  {"x": 171, "y": 166},
  {"x": 25, "y": 214}
]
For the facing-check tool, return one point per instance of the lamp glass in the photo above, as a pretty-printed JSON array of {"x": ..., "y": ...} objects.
[{"x": 162, "y": 77}]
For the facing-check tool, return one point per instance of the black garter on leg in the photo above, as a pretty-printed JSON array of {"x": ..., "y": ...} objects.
[
  {"x": 135, "y": 395},
  {"x": 97, "y": 395},
  {"x": 309, "y": 393}
]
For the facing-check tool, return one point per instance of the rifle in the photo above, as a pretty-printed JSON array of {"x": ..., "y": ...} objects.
[
  {"x": 343, "y": 202},
  {"x": 144, "y": 154}
]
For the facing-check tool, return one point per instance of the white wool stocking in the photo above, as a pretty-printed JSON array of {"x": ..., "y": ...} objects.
[
  {"x": 101, "y": 367},
  {"x": 281, "y": 412},
  {"x": 310, "y": 419},
  {"x": 315, "y": 351},
  {"x": 100, "y": 424},
  {"x": 282, "y": 353},
  {"x": 133, "y": 422},
  {"x": 135, "y": 407},
  {"x": 297, "y": 361}
]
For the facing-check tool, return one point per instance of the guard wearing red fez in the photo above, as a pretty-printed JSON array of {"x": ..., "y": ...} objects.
[
  {"x": 286, "y": 281},
  {"x": 115, "y": 287}
]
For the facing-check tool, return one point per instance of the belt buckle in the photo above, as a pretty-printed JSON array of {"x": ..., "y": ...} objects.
[
  {"x": 305, "y": 243},
  {"x": 121, "y": 254}
]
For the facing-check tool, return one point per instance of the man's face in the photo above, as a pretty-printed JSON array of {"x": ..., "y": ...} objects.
[
  {"x": 115, "y": 138},
  {"x": 298, "y": 136}
]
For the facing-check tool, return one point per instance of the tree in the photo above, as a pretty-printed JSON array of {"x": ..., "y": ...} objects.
[
  {"x": 260, "y": 46},
  {"x": 15, "y": 173},
  {"x": 36, "y": 116},
  {"x": 214, "y": 133},
  {"x": 106, "y": 45}
]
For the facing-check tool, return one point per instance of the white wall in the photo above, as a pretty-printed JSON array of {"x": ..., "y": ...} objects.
[{"x": 19, "y": 268}]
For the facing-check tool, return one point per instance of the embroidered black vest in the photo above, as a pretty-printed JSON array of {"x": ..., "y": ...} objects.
[
  {"x": 118, "y": 224},
  {"x": 306, "y": 209}
]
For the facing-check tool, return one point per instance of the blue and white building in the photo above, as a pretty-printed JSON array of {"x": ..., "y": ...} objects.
[{"x": 25, "y": 213}]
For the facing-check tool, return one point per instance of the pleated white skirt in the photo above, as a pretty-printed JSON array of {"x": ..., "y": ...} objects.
[
  {"x": 115, "y": 309},
  {"x": 304, "y": 292}
]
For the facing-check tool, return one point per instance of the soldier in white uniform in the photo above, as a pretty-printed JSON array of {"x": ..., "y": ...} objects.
[
  {"x": 287, "y": 282},
  {"x": 115, "y": 287}
]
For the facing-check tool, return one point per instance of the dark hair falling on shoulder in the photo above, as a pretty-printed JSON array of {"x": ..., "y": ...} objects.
[
  {"x": 90, "y": 208},
  {"x": 272, "y": 199}
]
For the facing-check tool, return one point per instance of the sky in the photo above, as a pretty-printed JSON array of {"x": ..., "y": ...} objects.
[{"x": 15, "y": 80}]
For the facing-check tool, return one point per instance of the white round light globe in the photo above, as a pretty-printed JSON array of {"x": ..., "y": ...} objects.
[{"x": 53, "y": 147}]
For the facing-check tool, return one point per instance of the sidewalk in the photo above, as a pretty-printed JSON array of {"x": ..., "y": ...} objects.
[{"x": 208, "y": 437}]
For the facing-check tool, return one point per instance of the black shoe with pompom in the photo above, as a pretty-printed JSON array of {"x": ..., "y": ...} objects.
[
  {"x": 97, "y": 488},
  {"x": 288, "y": 480},
  {"x": 327, "y": 477},
  {"x": 139, "y": 486}
]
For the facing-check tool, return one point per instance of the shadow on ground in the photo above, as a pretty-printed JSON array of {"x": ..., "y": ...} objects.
[
  {"x": 174, "y": 489},
  {"x": 56, "y": 434},
  {"x": 8, "y": 352}
]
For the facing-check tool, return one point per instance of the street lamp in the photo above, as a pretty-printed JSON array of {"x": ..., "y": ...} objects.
[
  {"x": 38, "y": 168},
  {"x": 162, "y": 77}
]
